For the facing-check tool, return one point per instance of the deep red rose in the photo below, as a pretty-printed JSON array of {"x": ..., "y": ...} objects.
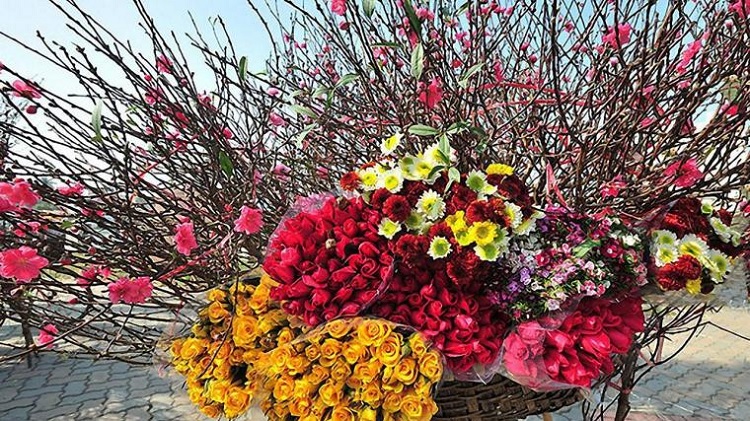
[{"x": 397, "y": 208}]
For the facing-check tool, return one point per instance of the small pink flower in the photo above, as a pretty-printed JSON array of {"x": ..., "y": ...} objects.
[
  {"x": 276, "y": 120},
  {"x": 68, "y": 190},
  {"x": 741, "y": 8},
  {"x": 164, "y": 65},
  {"x": 338, "y": 7},
  {"x": 432, "y": 94},
  {"x": 25, "y": 90},
  {"x": 31, "y": 109},
  {"x": 227, "y": 133},
  {"x": 46, "y": 335},
  {"x": 17, "y": 194},
  {"x": 617, "y": 38},
  {"x": 612, "y": 189},
  {"x": 23, "y": 264},
  {"x": 185, "y": 238},
  {"x": 250, "y": 221},
  {"x": 273, "y": 92},
  {"x": 685, "y": 173},
  {"x": 281, "y": 171},
  {"x": 130, "y": 291},
  {"x": 687, "y": 56}
]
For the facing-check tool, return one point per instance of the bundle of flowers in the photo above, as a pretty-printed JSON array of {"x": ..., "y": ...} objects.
[
  {"x": 219, "y": 358},
  {"x": 692, "y": 246},
  {"x": 353, "y": 369},
  {"x": 572, "y": 348}
]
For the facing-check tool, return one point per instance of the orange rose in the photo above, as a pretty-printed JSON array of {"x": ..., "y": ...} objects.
[
  {"x": 284, "y": 388},
  {"x": 373, "y": 332},
  {"x": 342, "y": 413},
  {"x": 216, "y": 312},
  {"x": 300, "y": 406},
  {"x": 236, "y": 402},
  {"x": 212, "y": 411}
]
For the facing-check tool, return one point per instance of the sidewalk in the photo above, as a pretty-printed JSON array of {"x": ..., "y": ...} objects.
[{"x": 709, "y": 380}]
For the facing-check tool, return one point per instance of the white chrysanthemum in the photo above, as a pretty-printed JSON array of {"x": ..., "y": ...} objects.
[
  {"x": 415, "y": 222},
  {"x": 390, "y": 144},
  {"x": 369, "y": 178},
  {"x": 717, "y": 263},
  {"x": 439, "y": 247},
  {"x": 488, "y": 253},
  {"x": 664, "y": 238},
  {"x": 391, "y": 180},
  {"x": 693, "y": 246},
  {"x": 431, "y": 205},
  {"x": 630, "y": 240},
  {"x": 722, "y": 230},
  {"x": 432, "y": 155},
  {"x": 664, "y": 255},
  {"x": 514, "y": 213},
  {"x": 408, "y": 165},
  {"x": 388, "y": 228}
]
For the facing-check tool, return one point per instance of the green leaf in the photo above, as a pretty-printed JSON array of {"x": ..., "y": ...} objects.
[
  {"x": 226, "y": 164},
  {"x": 585, "y": 247},
  {"x": 243, "y": 68},
  {"x": 417, "y": 61},
  {"x": 457, "y": 127},
  {"x": 444, "y": 146},
  {"x": 435, "y": 169},
  {"x": 369, "y": 7},
  {"x": 454, "y": 176},
  {"x": 464, "y": 7},
  {"x": 66, "y": 224},
  {"x": 346, "y": 79},
  {"x": 96, "y": 121},
  {"x": 731, "y": 88},
  {"x": 414, "y": 21},
  {"x": 469, "y": 73},
  {"x": 299, "y": 140},
  {"x": 320, "y": 91},
  {"x": 300, "y": 109},
  {"x": 422, "y": 130}
]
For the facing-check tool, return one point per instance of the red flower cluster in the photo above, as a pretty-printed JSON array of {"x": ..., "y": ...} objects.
[
  {"x": 330, "y": 262},
  {"x": 577, "y": 351},
  {"x": 674, "y": 276},
  {"x": 462, "y": 324}
]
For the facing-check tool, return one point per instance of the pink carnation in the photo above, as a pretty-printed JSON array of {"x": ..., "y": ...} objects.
[
  {"x": 184, "y": 237},
  {"x": 23, "y": 264},
  {"x": 130, "y": 291},
  {"x": 250, "y": 221},
  {"x": 685, "y": 173},
  {"x": 47, "y": 335}
]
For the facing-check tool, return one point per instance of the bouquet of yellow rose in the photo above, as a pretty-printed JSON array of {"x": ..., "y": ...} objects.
[
  {"x": 353, "y": 369},
  {"x": 218, "y": 359}
]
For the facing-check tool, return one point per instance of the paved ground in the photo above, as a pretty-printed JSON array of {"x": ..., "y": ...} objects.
[{"x": 708, "y": 381}]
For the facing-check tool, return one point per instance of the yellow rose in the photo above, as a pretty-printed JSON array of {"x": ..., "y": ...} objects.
[
  {"x": 217, "y": 294},
  {"x": 192, "y": 348},
  {"x": 220, "y": 351},
  {"x": 329, "y": 351},
  {"x": 212, "y": 411},
  {"x": 236, "y": 402},
  {"x": 429, "y": 407},
  {"x": 242, "y": 305},
  {"x": 372, "y": 394},
  {"x": 392, "y": 402},
  {"x": 342, "y": 413},
  {"x": 199, "y": 330},
  {"x": 340, "y": 370},
  {"x": 338, "y": 328},
  {"x": 411, "y": 406},
  {"x": 217, "y": 389},
  {"x": 353, "y": 352},
  {"x": 373, "y": 332},
  {"x": 284, "y": 388},
  {"x": 216, "y": 312},
  {"x": 297, "y": 364},
  {"x": 389, "y": 352},
  {"x": 196, "y": 395},
  {"x": 285, "y": 336},
  {"x": 312, "y": 351},
  {"x": 406, "y": 371},
  {"x": 317, "y": 374},
  {"x": 280, "y": 356},
  {"x": 300, "y": 406},
  {"x": 417, "y": 345},
  {"x": 368, "y": 414},
  {"x": 331, "y": 393},
  {"x": 222, "y": 370},
  {"x": 431, "y": 366}
]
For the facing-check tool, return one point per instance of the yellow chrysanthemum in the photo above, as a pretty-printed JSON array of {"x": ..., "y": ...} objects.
[
  {"x": 693, "y": 286},
  {"x": 499, "y": 169},
  {"x": 483, "y": 233}
]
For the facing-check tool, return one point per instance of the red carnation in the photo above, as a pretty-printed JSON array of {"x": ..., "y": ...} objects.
[
  {"x": 670, "y": 282},
  {"x": 463, "y": 269},
  {"x": 350, "y": 181},
  {"x": 479, "y": 211},
  {"x": 379, "y": 197},
  {"x": 397, "y": 208},
  {"x": 413, "y": 191},
  {"x": 687, "y": 267},
  {"x": 515, "y": 189},
  {"x": 461, "y": 198},
  {"x": 441, "y": 229}
]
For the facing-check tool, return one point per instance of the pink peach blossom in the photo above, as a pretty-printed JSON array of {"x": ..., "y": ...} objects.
[
  {"x": 685, "y": 173},
  {"x": 46, "y": 335},
  {"x": 23, "y": 264},
  {"x": 250, "y": 221},
  {"x": 185, "y": 238}
]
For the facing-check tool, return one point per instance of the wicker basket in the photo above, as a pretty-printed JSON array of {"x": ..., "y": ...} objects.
[{"x": 499, "y": 400}]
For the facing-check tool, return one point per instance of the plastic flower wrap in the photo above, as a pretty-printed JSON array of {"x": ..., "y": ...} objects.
[
  {"x": 329, "y": 262},
  {"x": 218, "y": 359},
  {"x": 353, "y": 369},
  {"x": 572, "y": 349},
  {"x": 692, "y": 247}
]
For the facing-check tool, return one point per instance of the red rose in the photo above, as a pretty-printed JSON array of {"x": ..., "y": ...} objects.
[
  {"x": 397, "y": 208},
  {"x": 598, "y": 344}
]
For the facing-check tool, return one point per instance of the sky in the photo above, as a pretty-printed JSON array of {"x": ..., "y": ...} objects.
[{"x": 23, "y": 18}]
